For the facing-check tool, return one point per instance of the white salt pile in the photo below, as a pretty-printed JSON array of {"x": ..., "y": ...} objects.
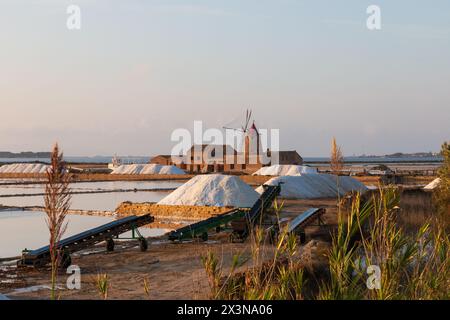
[
  {"x": 284, "y": 170},
  {"x": 146, "y": 169},
  {"x": 213, "y": 190},
  {"x": 433, "y": 184},
  {"x": 24, "y": 168},
  {"x": 313, "y": 186}
]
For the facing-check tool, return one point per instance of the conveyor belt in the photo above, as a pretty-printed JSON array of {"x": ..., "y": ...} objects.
[
  {"x": 241, "y": 228},
  {"x": 304, "y": 219},
  {"x": 200, "y": 229},
  {"x": 83, "y": 240}
]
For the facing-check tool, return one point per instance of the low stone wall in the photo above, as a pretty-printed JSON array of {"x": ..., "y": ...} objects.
[
  {"x": 170, "y": 213},
  {"x": 255, "y": 180}
]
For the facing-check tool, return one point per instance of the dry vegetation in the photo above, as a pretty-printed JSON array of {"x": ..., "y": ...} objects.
[
  {"x": 411, "y": 267},
  {"x": 57, "y": 204},
  {"x": 336, "y": 158}
]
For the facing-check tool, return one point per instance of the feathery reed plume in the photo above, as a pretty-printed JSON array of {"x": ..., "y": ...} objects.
[
  {"x": 336, "y": 158},
  {"x": 57, "y": 203}
]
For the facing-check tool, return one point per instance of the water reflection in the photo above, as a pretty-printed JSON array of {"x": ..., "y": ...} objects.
[
  {"x": 92, "y": 186},
  {"x": 91, "y": 201},
  {"x": 26, "y": 229}
]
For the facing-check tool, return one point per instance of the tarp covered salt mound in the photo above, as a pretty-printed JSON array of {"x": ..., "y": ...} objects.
[
  {"x": 146, "y": 169},
  {"x": 314, "y": 186},
  {"x": 213, "y": 190},
  {"x": 24, "y": 168},
  {"x": 433, "y": 184},
  {"x": 285, "y": 170}
]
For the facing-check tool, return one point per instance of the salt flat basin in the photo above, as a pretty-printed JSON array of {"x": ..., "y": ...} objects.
[
  {"x": 91, "y": 186},
  {"x": 91, "y": 201},
  {"x": 28, "y": 229}
]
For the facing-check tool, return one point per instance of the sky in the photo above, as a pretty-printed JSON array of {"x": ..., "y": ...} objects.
[{"x": 139, "y": 69}]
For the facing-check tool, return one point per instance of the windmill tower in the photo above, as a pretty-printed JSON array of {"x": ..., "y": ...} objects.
[
  {"x": 252, "y": 145},
  {"x": 251, "y": 139}
]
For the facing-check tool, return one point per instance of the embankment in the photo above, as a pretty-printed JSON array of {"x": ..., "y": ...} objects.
[
  {"x": 97, "y": 177},
  {"x": 169, "y": 213}
]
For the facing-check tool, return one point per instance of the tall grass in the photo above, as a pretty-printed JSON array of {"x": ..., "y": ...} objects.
[
  {"x": 367, "y": 236},
  {"x": 411, "y": 267},
  {"x": 344, "y": 280},
  {"x": 102, "y": 284},
  {"x": 57, "y": 203},
  {"x": 274, "y": 275},
  {"x": 442, "y": 193},
  {"x": 336, "y": 157}
]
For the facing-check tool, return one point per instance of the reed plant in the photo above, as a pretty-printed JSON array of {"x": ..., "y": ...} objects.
[
  {"x": 274, "y": 275},
  {"x": 344, "y": 279},
  {"x": 336, "y": 157},
  {"x": 367, "y": 237},
  {"x": 57, "y": 204},
  {"x": 411, "y": 267},
  {"x": 441, "y": 195},
  {"x": 102, "y": 284}
]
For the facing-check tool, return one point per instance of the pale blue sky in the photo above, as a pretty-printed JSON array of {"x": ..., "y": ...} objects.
[{"x": 140, "y": 68}]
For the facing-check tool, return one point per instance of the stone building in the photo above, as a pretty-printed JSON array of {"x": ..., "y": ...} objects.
[
  {"x": 162, "y": 159},
  {"x": 224, "y": 158}
]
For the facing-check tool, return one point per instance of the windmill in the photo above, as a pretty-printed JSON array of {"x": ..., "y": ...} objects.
[
  {"x": 244, "y": 128},
  {"x": 244, "y": 131}
]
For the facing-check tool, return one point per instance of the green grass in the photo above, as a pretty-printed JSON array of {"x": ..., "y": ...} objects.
[{"x": 411, "y": 266}]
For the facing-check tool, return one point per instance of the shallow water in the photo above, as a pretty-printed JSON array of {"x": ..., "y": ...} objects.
[
  {"x": 27, "y": 229},
  {"x": 92, "y": 186},
  {"x": 91, "y": 201}
]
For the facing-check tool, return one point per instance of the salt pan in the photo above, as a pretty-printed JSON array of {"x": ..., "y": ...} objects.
[
  {"x": 146, "y": 169},
  {"x": 24, "y": 168},
  {"x": 284, "y": 170}
]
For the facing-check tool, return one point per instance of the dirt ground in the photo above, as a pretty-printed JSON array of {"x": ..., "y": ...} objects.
[{"x": 173, "y": 270}]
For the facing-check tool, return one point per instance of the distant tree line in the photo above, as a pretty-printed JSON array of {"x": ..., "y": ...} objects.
[{"x": 24, "y": 154}]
